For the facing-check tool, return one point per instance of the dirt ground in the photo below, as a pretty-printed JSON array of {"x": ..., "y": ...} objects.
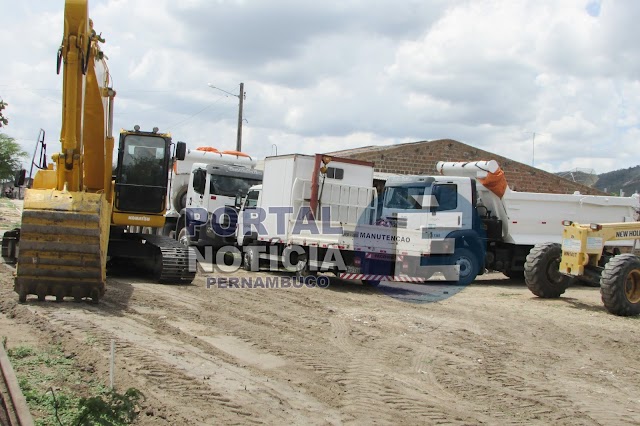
[{"x": 347, "y": 354}]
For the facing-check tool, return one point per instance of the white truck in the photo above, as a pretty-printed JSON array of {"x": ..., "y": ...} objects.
[
  {"x": 210, "y": 216},
  {"x": 317, "y": 213},
  {"x": 179, "y": 184},
  {"x": 495, "y": 232}
]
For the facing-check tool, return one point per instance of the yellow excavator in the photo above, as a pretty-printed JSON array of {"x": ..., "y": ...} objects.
[{"x": 76, "y": 214}]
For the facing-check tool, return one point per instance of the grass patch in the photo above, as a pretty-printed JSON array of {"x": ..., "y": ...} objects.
[
  {"x": 508, "y": 294},
  {"x": 58, "y": 394},
  {"x": 5, "y": 202}
]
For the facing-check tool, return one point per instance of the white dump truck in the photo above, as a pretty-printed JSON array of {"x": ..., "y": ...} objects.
[
  {"x": 494, "y": 226},
  {"x": 318, "y": 213},
  {"x": 182, "y": 169}
]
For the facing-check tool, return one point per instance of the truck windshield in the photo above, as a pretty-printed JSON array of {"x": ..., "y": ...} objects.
[
  {"x": 405, "y": 198},
  {"x": 439, "y": 197},
  {"x": 252, "y": 199},
  {"x": 230, "y": 186}
]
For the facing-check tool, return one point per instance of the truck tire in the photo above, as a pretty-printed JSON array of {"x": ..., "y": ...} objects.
[
  {"x": 250, "y": 260},
  {"x": 620, "y": 285},
  {"x": 469, "y": 265},
  {"x": 542, "y": 271},
  {"x": 303, "y": 269},
  {"x": 180, "y": 201},
  {"x": 169, "y": 230},
  {"x": 183, "y": 237}
]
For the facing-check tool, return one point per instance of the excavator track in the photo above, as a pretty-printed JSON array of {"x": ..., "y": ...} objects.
[
  {"x": 177, "y": 262},
  {"x": 164, "y": 258}
]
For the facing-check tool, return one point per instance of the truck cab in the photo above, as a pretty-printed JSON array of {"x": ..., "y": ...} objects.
[
  {"x": 450, "y": 204},
  {"x": 247, "y": 206},
  {"x": 210, "y": 216},
  {"x": 443, "y": 208}
]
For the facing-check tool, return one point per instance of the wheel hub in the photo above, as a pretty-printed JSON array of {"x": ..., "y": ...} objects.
[
  {"x": 632, "y": 287},
  {"x": 465, "y": 266}
]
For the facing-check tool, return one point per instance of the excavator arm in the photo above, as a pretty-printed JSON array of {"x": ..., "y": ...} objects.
[{"x": 66, "y": 213}]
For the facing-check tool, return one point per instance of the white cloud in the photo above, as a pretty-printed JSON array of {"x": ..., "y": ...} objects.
[{"x": 336, "y": 75}]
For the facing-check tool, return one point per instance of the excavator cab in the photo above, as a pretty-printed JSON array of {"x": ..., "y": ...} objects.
[
  {"x": 142, "y": 176},
  {"x": 142, "y": 173}
]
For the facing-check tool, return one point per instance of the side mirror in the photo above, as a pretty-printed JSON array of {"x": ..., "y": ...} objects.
[
  {"x": 181, "y": 150},
  {"x": 20, "y": 177},
  {"x": 238, "y": 203}
]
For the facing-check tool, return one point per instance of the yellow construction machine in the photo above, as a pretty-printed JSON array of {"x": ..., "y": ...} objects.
[
  {"x": 591, "y": 253},
  {"x": 76, "y": 215}
]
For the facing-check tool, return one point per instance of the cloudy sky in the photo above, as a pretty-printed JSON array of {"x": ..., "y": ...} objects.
[{"x": 326, "y": 75}]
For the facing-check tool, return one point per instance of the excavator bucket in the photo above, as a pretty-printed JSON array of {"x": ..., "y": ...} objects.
[{"x": 63, "y": 245}]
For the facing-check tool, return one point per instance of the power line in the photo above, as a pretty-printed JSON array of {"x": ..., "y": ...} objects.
[{"x": 193, "y": 115}]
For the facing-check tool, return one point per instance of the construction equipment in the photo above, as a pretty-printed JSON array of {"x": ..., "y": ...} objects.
[
  {"x": 75, "y": 216},
  {"x": 590, "y": 253}
]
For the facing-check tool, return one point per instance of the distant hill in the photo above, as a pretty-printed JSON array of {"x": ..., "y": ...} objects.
[
  {"x": 586, "y": 177},
  {"x": 627, "y": 180}
]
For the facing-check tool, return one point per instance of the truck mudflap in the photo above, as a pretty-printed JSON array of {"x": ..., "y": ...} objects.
[
  {"x": 63, "y": 241},
  {"x": 370, "y": 277},
  {"x": 449, "y": 273}
]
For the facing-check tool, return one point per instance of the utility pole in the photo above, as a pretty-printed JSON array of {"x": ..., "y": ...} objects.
[
  {"x": 533, "y": 149},
  {"x": 241, "y": 97}
]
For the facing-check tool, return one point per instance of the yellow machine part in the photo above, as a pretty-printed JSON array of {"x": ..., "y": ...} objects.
[
  {"x": 63, "y": 244},
  {"x": 582, "y": 244},
  {"x": 134, "y": 219}
]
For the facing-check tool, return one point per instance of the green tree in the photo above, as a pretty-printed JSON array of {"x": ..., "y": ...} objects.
[
  {"x": 3, "y": 120},
  {"x": 10, "y": 157}
]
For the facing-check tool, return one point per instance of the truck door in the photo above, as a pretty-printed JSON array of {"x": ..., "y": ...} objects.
[
  {"x": 197, "y": 188},
  {"x": 248, "y": 211}
]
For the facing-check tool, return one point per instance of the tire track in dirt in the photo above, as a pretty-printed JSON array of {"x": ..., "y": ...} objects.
[
  {"x": 364, "y": 382},
  {"x": 143, "y": 361},
  {"x": 315, "y": 371},
  {"x": 367, "y": 358}
]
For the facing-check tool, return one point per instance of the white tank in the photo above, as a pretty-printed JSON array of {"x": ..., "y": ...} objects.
[
  {"x": 474, "y": 169},
  {"x": 211, "y": 157}
]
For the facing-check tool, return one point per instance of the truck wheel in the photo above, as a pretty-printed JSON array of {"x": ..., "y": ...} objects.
[
  {"x": 303, "y": 270},
  {"x": 183, "y": 237},
  {"x": 250, "y": 260},
  {"x": 468, "y": 263},
  {"x": 620, "y": 285},
  {"x": 180, "y": 201},
  {"x": 542, "y": 271},
  {"x": 168, "y": 230}
]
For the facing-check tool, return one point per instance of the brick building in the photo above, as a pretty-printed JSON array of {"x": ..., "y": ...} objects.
[{"x": 422, "y": 157}]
